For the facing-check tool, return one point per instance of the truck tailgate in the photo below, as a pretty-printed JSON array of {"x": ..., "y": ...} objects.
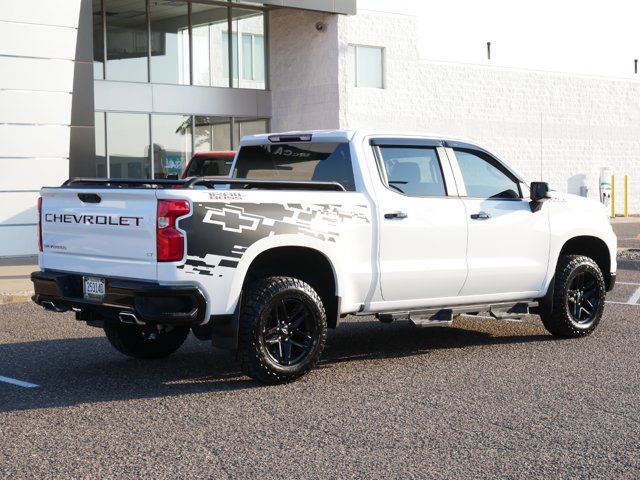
[{"x": 110, "y": 231}]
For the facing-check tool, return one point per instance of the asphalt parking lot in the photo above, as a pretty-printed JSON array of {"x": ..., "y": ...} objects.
[{"x": 482, "y": 399}]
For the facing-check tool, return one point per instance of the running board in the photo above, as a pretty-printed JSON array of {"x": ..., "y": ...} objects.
[{"x": 431, "y": 317}]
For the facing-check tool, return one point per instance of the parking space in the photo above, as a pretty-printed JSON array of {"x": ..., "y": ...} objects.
[{"x": 482, "y": 399}]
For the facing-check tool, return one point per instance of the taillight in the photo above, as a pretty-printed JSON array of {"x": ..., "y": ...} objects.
[
  {"x": 169, "y": 240},
  {"x": 39, "y": 224}
]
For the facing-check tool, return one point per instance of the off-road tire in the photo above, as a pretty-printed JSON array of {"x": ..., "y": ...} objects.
[
  {"x": 560, "y": 322},
  {"x": 135, "y": 342},
  {"x": 259, "y": 300}
]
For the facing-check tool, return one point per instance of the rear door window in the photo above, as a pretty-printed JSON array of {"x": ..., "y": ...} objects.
[
  {"x": 413, "y": 171},
  {"x": 322, "y": 162}
]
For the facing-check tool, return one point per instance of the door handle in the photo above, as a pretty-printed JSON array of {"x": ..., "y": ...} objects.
[
  {"x": 480, "y": 216},
  {"x": 398, "y": 215}
]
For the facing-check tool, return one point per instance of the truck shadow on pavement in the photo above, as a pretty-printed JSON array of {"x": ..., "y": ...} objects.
[{"x": 87, "y": 370}]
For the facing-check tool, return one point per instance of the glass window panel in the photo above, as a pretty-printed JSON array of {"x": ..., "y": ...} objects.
[
  {"x": 248, "y": 24},
  {"x": 369, "y": 67},
  {"x": 247, "y": 127},
  {"x": 171, "y": 143},
  {"x": 351, "y": 67},
  {"x": 225, "y": 57},
  {"x": 128, "y": 145},
  {"x": 98, "y": 41},
  {"x": 258, "y": 58},
  {"x": 483, "y": 178},
  {"x": 209, "y": 52},
  {"x": 212, "y": 133},
  {"x": 101, "y": 153},
  {"x": 126, "y": 40},
  {"x": 322, "y": 162},
  {"x": 413, "y": 171},
  {"x": 169, "y": 42},
  {"x": 247, "y": 56}
]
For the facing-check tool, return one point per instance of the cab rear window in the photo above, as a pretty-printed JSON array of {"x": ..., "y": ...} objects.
[{"x": 322, "y": 162}]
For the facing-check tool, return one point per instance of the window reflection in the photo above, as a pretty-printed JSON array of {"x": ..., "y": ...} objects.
[
  {"x": 248, "y": 48},
  {"x": 126, "y": 40},
  {"x": 171, "y": 143},
  {"x": 247, "y": 127},
  {"x": 212, "y": 133},
  {"x": 128, "y": 145},
  {"x": 210, "y": 48},
  {"x": 101, "y": 153},
  {"x": 98, "y": 41},
  {"x": 169, "y": 42}
]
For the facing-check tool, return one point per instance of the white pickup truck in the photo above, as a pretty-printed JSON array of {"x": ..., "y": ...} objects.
[{"x": 310, "y": 227}]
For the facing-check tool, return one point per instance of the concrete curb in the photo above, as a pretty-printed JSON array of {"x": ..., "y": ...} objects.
[{"x": 15, "y": 297}]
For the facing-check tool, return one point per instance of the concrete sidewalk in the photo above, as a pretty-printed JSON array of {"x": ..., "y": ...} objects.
[
  {"x": 15, "y": 282},
  {"x": 16, "y": 286}
]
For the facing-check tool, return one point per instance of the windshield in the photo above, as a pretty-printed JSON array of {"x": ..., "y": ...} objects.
[
  {"x": 209, "y": 167},
  {"x": 322, "y": 162}
]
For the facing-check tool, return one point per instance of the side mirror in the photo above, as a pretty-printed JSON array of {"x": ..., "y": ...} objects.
[
  {"x": 172, "y": 176},
  {"x": 539, "y": 191}
]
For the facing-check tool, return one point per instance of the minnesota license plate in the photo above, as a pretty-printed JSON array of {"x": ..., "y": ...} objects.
[{"x": 94, "y": 288}]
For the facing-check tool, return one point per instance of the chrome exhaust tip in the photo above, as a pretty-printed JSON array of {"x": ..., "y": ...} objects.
[
  {"x": 50, "y": 306},
  {"x": 129, "y": 318}
]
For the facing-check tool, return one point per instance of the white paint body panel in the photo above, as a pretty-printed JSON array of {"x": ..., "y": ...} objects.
[
  {"x": 71, "y": 244},
  {"x": 509, "y": 251},
  {"x": 434, "y": 257}
]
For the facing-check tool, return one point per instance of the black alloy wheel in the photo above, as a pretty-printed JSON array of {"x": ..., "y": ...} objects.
[
  {"x": 283, "y": 329},
  {"x": 289, "y": 331},
  {"x": 579, "y": 293},
  {"x": 583, "y": 300}
]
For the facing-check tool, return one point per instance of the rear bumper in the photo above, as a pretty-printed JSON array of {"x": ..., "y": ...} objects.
[{"x": 150, "y": 302}]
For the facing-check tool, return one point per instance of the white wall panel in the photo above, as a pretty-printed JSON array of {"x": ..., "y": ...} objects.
[
  {"x": 34, "y": 141},
  {"x": 44, "y": 12},
  {"x": 18, "y": 241},
  {"x": 18, "y": 208},
  {"x": 44, "y": 41},
  {"x": 36, "y": 74},
  {"x": 19, "y": 106},
  {"x": 32, "y": 173}
]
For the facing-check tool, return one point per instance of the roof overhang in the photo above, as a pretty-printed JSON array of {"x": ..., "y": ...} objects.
[{"x": 345, "y": 7}]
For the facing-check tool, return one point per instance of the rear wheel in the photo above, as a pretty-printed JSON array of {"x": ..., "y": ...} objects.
[
  {"x": 144, "y": 343},
  {"x": 578, "y": 298},
  {"x": 283, "y": 329}
]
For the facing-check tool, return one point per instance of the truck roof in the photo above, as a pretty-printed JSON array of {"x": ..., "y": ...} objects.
[{"x": 347, "y": 135}]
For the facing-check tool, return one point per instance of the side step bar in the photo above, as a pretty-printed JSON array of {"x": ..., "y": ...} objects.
[{"x": 444, "y": 316}]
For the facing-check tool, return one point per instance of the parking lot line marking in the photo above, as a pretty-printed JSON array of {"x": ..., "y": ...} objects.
[
  {"x": 633, "y": 299},
  {"x": 627, "y": 283},
  {"x": 19, "y": 383}
]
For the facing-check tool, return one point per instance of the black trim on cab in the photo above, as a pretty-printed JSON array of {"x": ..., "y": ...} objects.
[{"x": 150, "y": 302}]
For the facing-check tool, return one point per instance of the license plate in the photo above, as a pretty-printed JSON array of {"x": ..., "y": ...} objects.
[{"x": 94, "y": 288}]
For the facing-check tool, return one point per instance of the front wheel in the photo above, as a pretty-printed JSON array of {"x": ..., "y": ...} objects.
[
  {"x": 283, "y": 329},
  {"x": 144, "y": 343},
  {"x": 578, "y": 298}
]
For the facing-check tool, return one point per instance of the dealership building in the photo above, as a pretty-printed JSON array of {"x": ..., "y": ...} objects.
[{"x": 132, "y": 88}]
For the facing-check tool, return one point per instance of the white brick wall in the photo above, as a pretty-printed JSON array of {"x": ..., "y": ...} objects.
[
  {"x": 561, "y": 128},
  {"x": 304, "y": 70},
  {"x": 557, "y": 127}
]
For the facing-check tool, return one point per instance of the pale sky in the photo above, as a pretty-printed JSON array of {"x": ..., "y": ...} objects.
[{"x": 593, "y": 37}]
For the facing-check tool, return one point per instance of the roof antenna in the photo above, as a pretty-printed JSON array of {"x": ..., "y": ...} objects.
[{"x": 489, "y": 51}]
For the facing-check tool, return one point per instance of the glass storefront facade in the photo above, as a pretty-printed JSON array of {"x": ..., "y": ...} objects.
[
  {"x": 179, "y": 42},
  {"x": 138, "y": 145},
  {"x": 190, "y": 44}
]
